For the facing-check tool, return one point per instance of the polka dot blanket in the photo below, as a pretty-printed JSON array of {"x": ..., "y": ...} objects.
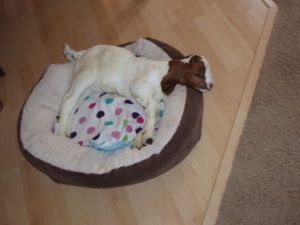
[{"x": 106, "y": 121}]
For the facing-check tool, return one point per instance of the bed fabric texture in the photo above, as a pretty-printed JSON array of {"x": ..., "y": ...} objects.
[{"x": 67, "y": 162}]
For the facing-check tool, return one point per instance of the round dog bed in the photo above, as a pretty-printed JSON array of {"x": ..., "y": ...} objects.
[{"x": 66, "y": 162}]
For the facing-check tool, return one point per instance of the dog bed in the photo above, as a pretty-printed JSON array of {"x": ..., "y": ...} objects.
[{"x": 66, "y": 162}]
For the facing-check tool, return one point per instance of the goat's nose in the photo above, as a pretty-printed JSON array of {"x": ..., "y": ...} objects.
[{"x": 209, "y": 86}]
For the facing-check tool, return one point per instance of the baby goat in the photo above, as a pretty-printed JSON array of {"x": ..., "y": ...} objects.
[{"x": 117, "y": 70}]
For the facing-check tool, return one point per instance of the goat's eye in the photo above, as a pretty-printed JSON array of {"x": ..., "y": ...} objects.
[{"x": 200, "y": 75}]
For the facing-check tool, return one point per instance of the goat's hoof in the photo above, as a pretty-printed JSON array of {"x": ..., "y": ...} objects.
[{"x": 149, "y": 141}]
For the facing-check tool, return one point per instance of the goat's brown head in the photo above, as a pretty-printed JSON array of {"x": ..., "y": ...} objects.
[{"x": 192, "y": 71}]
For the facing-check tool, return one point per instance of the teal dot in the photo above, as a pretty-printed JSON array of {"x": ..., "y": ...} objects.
[
  {"x": 109, "y": 100},
  {"x": 161, "y": 113},
  {"x": 108, "y": 123},
  {"x": 86, "y": 98}
]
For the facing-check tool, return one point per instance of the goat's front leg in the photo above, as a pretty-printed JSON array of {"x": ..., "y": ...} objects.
[
  {"x": 151, "y": 118},
  {"x": 145, "y": 137}
]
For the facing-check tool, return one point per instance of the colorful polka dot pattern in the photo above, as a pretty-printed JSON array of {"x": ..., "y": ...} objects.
[{"x": 103, "y": 120}]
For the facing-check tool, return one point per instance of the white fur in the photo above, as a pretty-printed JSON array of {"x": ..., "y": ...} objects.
[
  {"x": 187, "y": 59},
  {"x": 208, "y": 75}
]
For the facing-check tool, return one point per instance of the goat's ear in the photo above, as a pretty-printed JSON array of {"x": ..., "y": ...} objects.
[
  {"x": 167, "y": 86},
  {"x": 195, "y": 60},
  {"x": 197, "y": 63}
]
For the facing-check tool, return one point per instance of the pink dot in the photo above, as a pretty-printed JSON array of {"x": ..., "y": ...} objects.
[
  {"x": 118, "y": 111},
  {"x": 116, "y": 134},
  {"x": 128, "y": 128},
  {"x": 140, "y": 120},
  {"x": 92, "y": 105},
  {"x": 82, "y": 120},
  {"x": 90, "y": 130},
  {"x": 80, "y": 143}
]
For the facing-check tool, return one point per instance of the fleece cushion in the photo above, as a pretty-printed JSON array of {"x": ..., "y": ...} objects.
[{"x": 67, "y": 162}]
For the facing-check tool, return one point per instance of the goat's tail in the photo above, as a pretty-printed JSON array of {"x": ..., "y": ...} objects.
[{"x": 70, "y": 54}]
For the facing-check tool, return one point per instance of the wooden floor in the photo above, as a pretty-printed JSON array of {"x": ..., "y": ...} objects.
[{"x": 227, "y": 32}]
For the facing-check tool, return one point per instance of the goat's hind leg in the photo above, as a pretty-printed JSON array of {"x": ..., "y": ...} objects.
[
  {"x": 70, "y": 54},
  {"x": 69, "y": 102},
  {"x": 65, "y": 111}
]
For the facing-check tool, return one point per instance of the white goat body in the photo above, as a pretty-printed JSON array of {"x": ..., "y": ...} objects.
[{"x": 115, "y": 69}]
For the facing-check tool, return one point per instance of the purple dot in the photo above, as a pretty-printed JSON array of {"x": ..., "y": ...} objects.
[
  {"x": 100, "y": 114},
  {"x": 138, "y": 130},
  {"x": 102, "y": 94},
  {"x": 128, "y": 101},
  {"x": 135, "y": 115},
  {"x": 96, "y": 137},
  {"x": 73, "y": 134}
]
